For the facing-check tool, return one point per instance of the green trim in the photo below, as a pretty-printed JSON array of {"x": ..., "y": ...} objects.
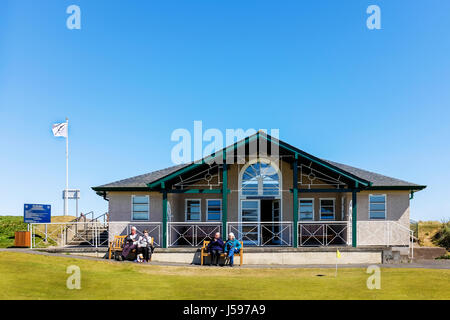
[
  {"x": 324, "y": 190},
  {"x": 406, "y": 188},
  {"x": 320, "y": 162},
  {"x": 224, "y": 197},
  {"x": 121, "y": 189},
  {"x": 209, "y": 191},
  {"x": 164, "y": 218},
  {"x": 200, "y": 162},
  {"x": 246, "y": 141},
  {"x": 295, "y": 200},
  {"x": 354, "y": 218},
  {"x": 174, "y": 174}
]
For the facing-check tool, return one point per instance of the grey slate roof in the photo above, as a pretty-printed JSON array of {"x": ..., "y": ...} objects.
[
  {"x": 142, "y": 180},
  {"x": 377, "y": 180}
]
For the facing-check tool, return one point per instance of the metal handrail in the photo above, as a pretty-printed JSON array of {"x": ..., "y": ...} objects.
[
  {"x": 104, "y": 216},
  {"x": 411, "y": 236}
]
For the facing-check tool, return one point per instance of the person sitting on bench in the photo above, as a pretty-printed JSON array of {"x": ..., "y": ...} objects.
[
  {"x": 215, "y": 249},
  {"x": 145, "y": 246},
  {"x": 232, "y": 246},
  {"x": 130, "y": 244}
]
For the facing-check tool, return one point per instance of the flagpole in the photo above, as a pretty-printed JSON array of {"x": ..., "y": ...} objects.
[{"x": 66, "y": 203}]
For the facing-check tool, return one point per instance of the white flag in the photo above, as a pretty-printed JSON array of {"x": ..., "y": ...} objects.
[{"x": 60, "y": 129}]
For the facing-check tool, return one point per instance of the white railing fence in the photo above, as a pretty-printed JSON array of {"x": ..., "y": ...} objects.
[
  {"x": 262, "y": 234},
  {"x": 330, "y": 233},
  {"x": 99, "y": 232},
  {"x": 191, "y": 234},
  {"x": 91, "y": 233},
  {"x": 153, "y": 229}
]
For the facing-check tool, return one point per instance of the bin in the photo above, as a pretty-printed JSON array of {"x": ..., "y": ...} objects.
[{"x": 22, "y": 239}]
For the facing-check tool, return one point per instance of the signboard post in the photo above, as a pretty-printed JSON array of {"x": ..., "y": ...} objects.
[
  {"x": 72, "y": 194},
  {"x": 37, "y": 213}
]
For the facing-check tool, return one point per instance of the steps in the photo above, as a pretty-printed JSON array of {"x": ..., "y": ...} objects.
[
  {"x": 396, "y": 255},
  {"x": 89, "y": 236}
]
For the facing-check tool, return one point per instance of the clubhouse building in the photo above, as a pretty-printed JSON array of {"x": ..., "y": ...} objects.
[{"x": 269, "y": 194}]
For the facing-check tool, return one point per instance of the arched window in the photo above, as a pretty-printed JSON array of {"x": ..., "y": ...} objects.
[{"x": 260, "y": 179}]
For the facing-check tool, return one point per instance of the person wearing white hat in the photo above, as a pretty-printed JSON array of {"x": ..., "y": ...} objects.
[
  {"x": 232, "y": 246},
  {"x": 130, "y": 243}
]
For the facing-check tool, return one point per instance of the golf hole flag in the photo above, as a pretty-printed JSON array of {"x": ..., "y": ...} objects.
[
  {"x": 338, "y": 256},
  {"x": 60, "y": 129}
]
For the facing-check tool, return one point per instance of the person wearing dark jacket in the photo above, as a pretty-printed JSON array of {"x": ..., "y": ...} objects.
[
  {"x": 130, "y": 244},
  {"x": 215, "y": 249}
]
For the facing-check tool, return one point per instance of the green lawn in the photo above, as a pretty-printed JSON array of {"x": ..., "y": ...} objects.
[
  {"x": 11, "y": 224},
  {"x": 8, "y": 225},
  {"x": 29, "y": 276}
]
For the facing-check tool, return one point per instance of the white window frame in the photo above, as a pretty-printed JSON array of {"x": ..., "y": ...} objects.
[
  {"x": 132, "y": 208},
  {"x": 313, "y": 210},
  {"x": 207, "y": 213},
  {"x": 186, "y": 207},
  {"x": 334, "y": 209},
  {"x": 385, "y": 205},
  {"x": 260, "y": 188}
]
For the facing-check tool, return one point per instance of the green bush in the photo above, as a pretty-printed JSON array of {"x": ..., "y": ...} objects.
[{"x": 442, "y": 237}]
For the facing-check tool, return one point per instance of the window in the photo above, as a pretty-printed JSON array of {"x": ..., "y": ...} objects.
[
  {"x": 140, "y": 207},
  {"x": 249, "y": 210},
  {"x": 326, "y": 209},
  {"x": 377, "y": 206},
  {"x": 213, "y": 209},
  {"x": 260, "y": 179},
  {"x": 306, "y": 209},
  {"x": 193, "y": 211}
]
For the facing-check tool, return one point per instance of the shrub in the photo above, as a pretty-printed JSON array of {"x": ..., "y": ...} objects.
[{"x": 442, "y": 237}]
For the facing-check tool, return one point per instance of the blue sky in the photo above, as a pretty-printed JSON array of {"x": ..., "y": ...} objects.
[{"x": 137, "y": 70}]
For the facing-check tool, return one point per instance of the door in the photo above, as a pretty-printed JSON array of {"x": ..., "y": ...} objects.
[
  {"x": 270, "y": 226},
  {"x": 249, "y": 226}
]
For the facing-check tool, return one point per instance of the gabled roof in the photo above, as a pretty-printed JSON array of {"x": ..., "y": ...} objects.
[
  {"x": 140, "y": 181},
  {"x": 367, "y": 179}
]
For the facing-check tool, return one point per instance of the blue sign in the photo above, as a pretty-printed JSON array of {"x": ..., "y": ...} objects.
[{"x": 37, "y": 213}]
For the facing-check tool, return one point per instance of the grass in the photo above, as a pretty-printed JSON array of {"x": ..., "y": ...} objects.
[
  {"x": 427, "y": 230},
  {"x": 29, "y": 276},
  {"x": 442, "y": 237},
  {"x": 11, "y": 224},
  {"x": 8, "y": 225}
]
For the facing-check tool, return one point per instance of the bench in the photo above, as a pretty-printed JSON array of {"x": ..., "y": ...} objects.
[
  {"x": 116, "y": 246},
  {"x": 204, "y": 252}
]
